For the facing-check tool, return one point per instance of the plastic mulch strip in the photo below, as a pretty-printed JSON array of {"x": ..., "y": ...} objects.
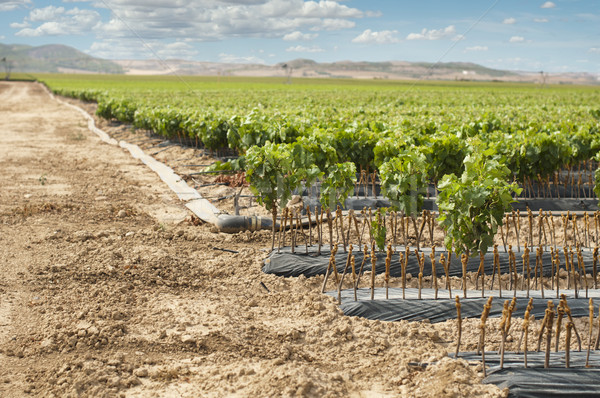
[
  {"x": 443, "y": 309},
  {"x": 288, "y": 264}
]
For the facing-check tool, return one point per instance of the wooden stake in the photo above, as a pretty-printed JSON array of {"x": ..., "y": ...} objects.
[
  {"x": 550, "y": 314},
  {"x": 459, "y": 320},
  {"x": 388, "y": 260},
  {"x": 421, "y": 261},
  {"x": 373, "y": 270},
  {"x": 512, "y": 264},
  {"x": 567, "y": 345},
  {"x": 353, "y": 265},
  {"x": 561, "y": 313},
  {"x": 590, "y": 332}
]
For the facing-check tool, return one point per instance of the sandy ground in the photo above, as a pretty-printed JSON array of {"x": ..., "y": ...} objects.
[{"x": 107, "y": 290}]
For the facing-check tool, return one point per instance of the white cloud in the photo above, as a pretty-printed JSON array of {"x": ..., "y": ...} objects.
[
  {"x": 476, "y": 48},
  {"x": 297, "y": 35},
  {"x": 2, "y": 37},
  {"x": 509, "y": 21},
  {"x": 303, "y": 49},
  {"x": 594, "y": 50},
  {"x": 13, "y": 5},
  {"x": 434, "y": 34},
  {"x": 540, "y": 20},
  {"x": 58, "y": 21},
  {"x": 18, "y": 25},
  {"x": 177, "y": 50},
  {"x": 548, "y": 4},
  {"x": 46, "y": 13},
  {"x": 382, "y": 37},
  {"x": 234, "y": 59},
  {"x": 517, "y": 39}
]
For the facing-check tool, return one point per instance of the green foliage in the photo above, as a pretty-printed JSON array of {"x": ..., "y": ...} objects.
[
  {"x": 378, "y": 229},
  {"x": 337, "y": 184},
  {"x": 403, "y": 181},
  {"x": 270, "y": 174},
  {"x": 472, "y": 206}
]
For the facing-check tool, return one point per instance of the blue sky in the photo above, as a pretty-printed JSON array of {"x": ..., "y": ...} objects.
[{"x": 530, "y": 35}]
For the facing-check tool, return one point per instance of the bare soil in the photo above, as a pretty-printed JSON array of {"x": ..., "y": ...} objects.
[{"x": 108, "y": 289}]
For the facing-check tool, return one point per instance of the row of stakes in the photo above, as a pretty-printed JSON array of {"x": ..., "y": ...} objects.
[
  {"x": 547, "y": 326},
  {"x": 577, "y": 181},
  {"x": 574, "y": 267},
  {"x": 398, "y": 228}
]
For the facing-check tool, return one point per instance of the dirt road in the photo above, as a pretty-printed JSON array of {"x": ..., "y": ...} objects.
[{"x": 105, "y": 290}]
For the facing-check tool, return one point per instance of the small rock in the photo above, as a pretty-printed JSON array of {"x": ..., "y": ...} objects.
[
  {"x": 187, "y": 339},
  {"x": 141, "y": 372},
  {"x": 122, "y": 213}
]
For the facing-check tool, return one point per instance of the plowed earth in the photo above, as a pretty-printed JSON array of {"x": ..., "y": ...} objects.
[{"x": 107, "y": 289}]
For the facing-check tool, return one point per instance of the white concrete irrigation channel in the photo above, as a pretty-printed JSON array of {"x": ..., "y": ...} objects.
[{"x": 198, "y": 205}]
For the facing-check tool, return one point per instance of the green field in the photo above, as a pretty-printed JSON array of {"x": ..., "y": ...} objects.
[
  {"x": 473, "y": 139},
  {"x": 366, "y": 122}
]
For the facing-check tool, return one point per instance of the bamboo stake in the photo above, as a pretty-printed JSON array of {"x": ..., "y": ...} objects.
[
  {"x": 525, "y": 329},
  {"x": 502, "y": 327},
  {"x": 421, "y": 261},
  {"x": 405, "y": 264},
  {"x": 595, "y": 271},
  {"x": 362, "y": 264},
  {"x": 512, "y": 262},
  {"x": 482, "y": 270},
  {"x": 348, "y": 263},
  {"x": 582, "y": 270},
  {"x": 567, "y": 266},
  {"x": 557, "y": 259},
  {"x": 597, "y": 343},
  {"x": 309, "y": 225},
  {"x": 568, "y": 345},
  {"x": 553, "y": 231},
  {"x": 459, "y": 320},
  {"x": 373, "y": 270},
  {"x": 464, "y": 260},
  {"x": 484, "y": 315},
  {"x": 320, "y": 231},
  {"x": 541, "y": 231},
  {"x": 541, "y": 255},
  {"x": 590, "y": 332},
  {"x": 552, "y": 265},
  {"x": 560, "y": 314},
  {"x": 503, "y": 238},
  {"x": 497, "y": 264},
  {"x": 530, "y": 222},
  {"x": 525, "y": 268},
  {"x": 573, "y": 270},
  {"x": 514, "y": 218},
  {"x": 445, "y": 266},
  {"x": 281, "y": 242},
  {"x": 331, "y": 265},
  {"x": 568, "y": 312},
  {"x": 353, "y": 265},
  {"x": 550, "y": 312},
  {"x": 565, "y": 221},
  {"x": 388, "y": 260},
  {"x": 433, "y": 272}
]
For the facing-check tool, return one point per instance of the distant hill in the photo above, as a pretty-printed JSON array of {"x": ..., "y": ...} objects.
[
  {"x": 393, "y": 70},
  {"x": 54, "y": 58}
]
